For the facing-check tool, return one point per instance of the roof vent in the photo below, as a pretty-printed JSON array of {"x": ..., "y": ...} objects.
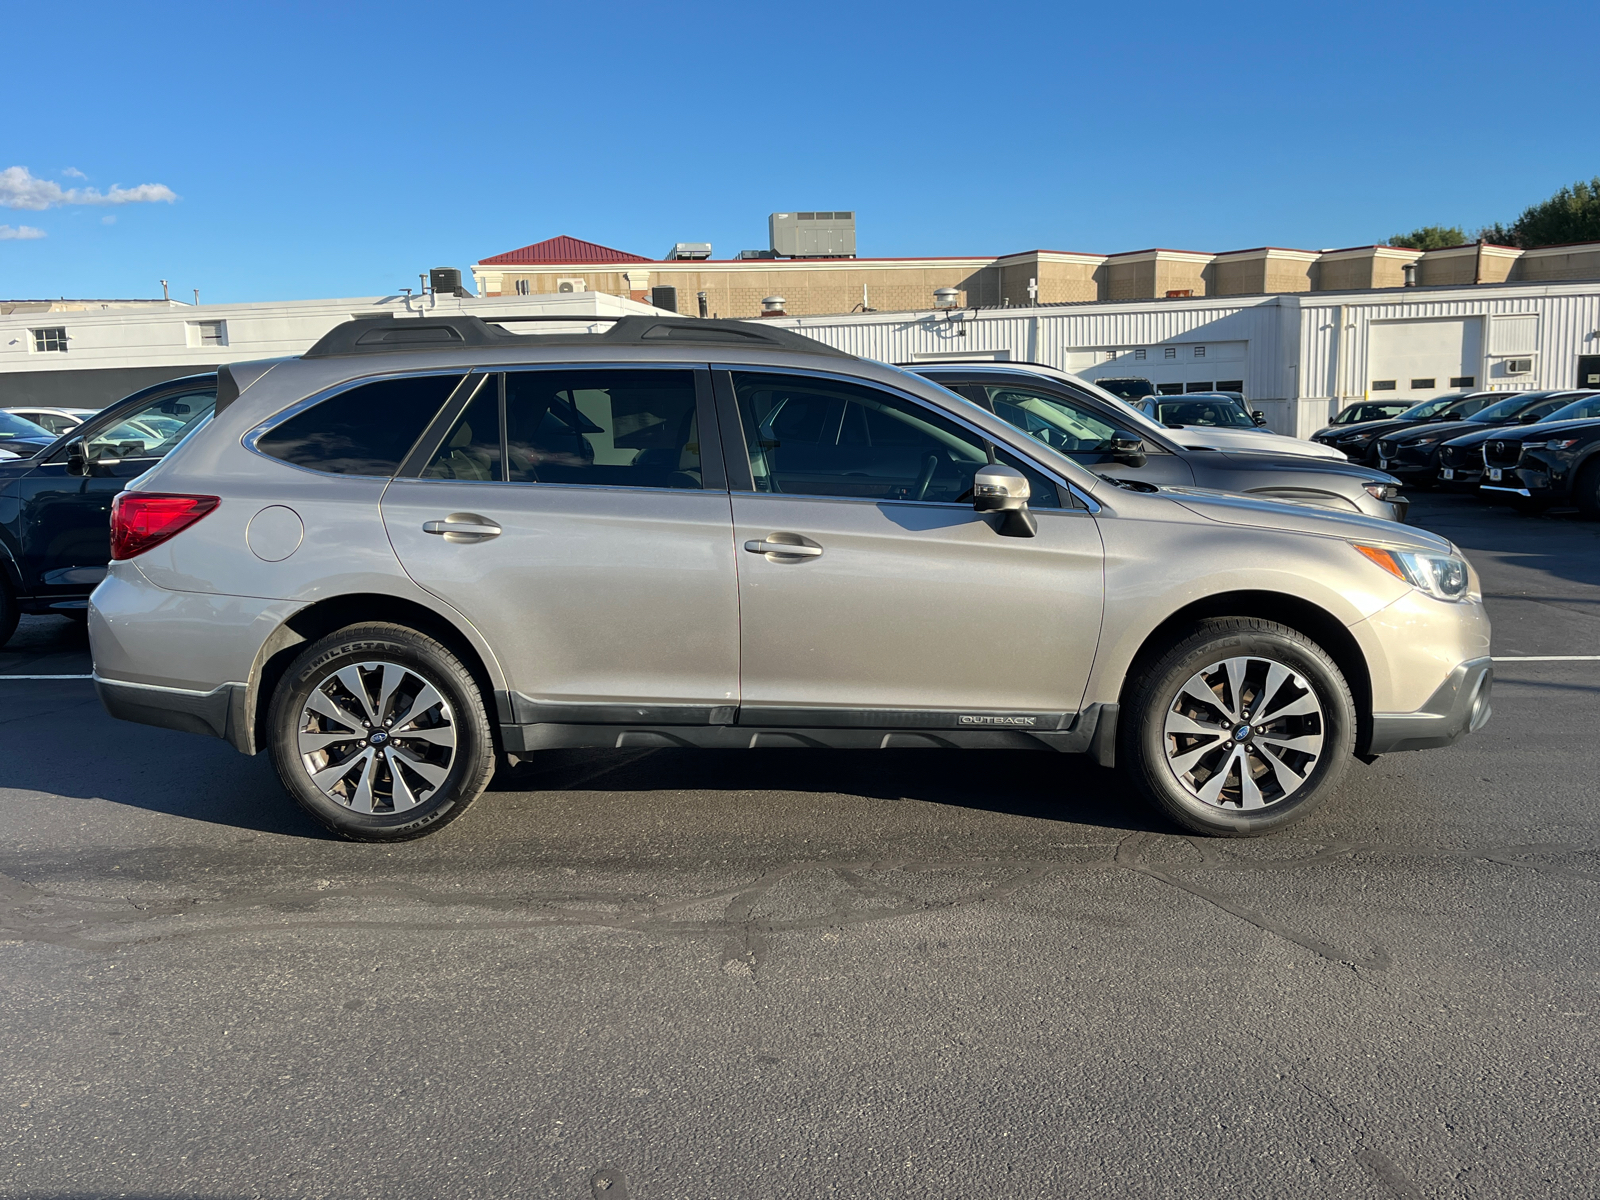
[
  {"x": 772, "y": 306},
  {"x": 947, "y": 297}
]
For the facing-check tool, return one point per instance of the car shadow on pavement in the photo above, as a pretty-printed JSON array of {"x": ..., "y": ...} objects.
[{"x": 1041, "y": 784}]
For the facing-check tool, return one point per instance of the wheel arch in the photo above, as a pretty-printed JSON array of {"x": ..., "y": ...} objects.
[
  {"x": 1299, "y": 614},
  {"x": 324, "y": 617}
]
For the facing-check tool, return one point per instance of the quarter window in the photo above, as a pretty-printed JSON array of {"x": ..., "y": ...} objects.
[
  {"x": 818, "y": 437},
  {"x": 364, "y": 430}
]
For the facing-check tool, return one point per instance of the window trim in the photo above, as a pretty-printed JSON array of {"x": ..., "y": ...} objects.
[
  {"x": 713, "y": 477},
  {"x": 736, "y": 451},
  {"x": 249, "y": 438}
]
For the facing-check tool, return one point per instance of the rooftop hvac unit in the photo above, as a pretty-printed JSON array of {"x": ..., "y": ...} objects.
[
  {"x": 445, "y": 281},
  {"x": 1519, "y": 366},
  {"x": 690, "y": 251},
  {"x": 813, "y": 234}
]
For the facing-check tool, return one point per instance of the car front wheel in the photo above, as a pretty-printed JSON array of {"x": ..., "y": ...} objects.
[
  {"x": 1239, "y": 729},
  {"x": 380, "y": 733}
]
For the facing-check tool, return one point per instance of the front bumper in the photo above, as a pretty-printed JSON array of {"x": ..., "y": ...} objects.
[{"x": 1458, "y": 707}]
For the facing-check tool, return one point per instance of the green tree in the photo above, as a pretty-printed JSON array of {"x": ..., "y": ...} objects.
[
  {"x": 1571, "y": 215},
  {"x": 1499, "y": 235},
  {"x": 1430, "y": 237}
]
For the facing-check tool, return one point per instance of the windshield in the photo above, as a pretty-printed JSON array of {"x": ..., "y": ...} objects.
[
  {"x": 1461, "y": 402},
  {"x": 13, "y": 426},
  {"x": 1503, "y": 410},
  {"x": 1212, "y": 413},
  {"x": 1578, "y": 410}
]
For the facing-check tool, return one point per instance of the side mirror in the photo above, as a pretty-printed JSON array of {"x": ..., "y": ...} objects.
[
  {"x": 78, "y": 458},
  {"x": 1259, "y": 417},
  {"x": 1002, "y": 489},
  {"x": 1453, "y": 416},
  {"x": 1529, "y": 418},
  {"x": 1128, "y": 450}
]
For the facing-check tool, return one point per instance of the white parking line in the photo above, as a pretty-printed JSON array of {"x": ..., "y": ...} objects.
[
  {"x": 1548, "y": 658},
  {"x": 4, "y": 677}
]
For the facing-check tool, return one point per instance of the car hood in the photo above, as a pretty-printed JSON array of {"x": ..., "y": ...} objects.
[
  {"x": 1540, "y": 430},
  {"x": 1229, "y": 508},
  {"x": 1414, "y": 432},
  {"x": 1248, "y": 441},
  {"x": 1482, "y": 434},
  {"x": 1339, "y": 432}
]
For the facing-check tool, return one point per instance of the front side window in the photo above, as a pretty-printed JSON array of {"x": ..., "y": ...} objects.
[
  {"x": 820, "y": 437},
  {"x": 364, "y": 430},
  {"x": 151, "y": 431}
]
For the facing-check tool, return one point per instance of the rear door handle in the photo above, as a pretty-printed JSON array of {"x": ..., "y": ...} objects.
[
  {"x": 463, "y": 527},
  {"x": 798, "y": 548}
]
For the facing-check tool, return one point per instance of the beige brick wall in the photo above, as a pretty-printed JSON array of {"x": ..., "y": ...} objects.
[
  {"x": 1344, "y": 274},
  {"x": 1173, "y": 276},
  {"x": 1130, "y": 280},
  {"x": 1288, "y": 275},
  {"x": 1443, "y": 270},
  {"x": 1240, "y": 277},
  {"x": 1581, "y": 262}
]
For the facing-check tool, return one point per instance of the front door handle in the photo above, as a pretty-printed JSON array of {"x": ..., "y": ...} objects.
[
  {"x": 780, "y": 546},
  {"x": 463, "y": 527}
]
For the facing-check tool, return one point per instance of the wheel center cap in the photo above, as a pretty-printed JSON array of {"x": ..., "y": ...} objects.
[
  {"x": 1241, "y": 733},
  {"x": 377, "y": 737}
]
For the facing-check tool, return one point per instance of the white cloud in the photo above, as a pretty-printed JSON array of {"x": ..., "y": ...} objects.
[
  {"x": 22, "y": 233},
  {"x": 74, "y": 173},
  {"x": 108, "y": 219},
  {"x": 20, "y": 189}
]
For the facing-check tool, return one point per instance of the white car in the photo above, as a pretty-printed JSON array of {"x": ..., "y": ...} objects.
[{"x": 56, "y": 420}]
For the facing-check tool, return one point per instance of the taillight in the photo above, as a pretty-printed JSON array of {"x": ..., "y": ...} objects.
[{"x": 140, "y": 520}]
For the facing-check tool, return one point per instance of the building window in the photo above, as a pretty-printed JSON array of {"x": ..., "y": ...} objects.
[
  {"x": 50, "y": 341},
  {"x": 1230, "y": 385},
  {"x": 1171, "y": 352},
  {"x": 1199, "y": 351},
  {"x": 1111, "y": 356},
  {"x": 1465, "y": 381},
  {"x": 1139, "y": 354},
  {"x": 1169, "y": 389},
  {"x": 1207, "y": 386},
  {"x": 1383, "y": 385},
  {"x": 211, "y": 333},
  {"x": 1422, "y": 385},
  {"x": 522, "y": 287}
]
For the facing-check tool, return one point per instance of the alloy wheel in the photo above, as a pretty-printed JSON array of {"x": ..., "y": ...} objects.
[
  {"x": 1244, "y": 733},
  {"x": 376, "y": 737}
]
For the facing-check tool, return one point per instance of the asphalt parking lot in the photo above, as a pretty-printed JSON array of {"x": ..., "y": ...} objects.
[{"x": 771, "y": 973}]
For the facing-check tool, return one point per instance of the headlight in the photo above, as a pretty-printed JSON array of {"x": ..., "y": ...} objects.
[
  {"x": 1382, "y": 491},
  {"x": 1552, "y": 444},
  {"x": 1356, "y": 437},
  {"x": 1442, "y": 576}
]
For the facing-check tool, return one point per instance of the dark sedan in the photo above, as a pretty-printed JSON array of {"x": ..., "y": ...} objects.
[
  {"x": 1553, "y": 462},
  {"x": 1413, "y": 454},
  {"x": 1461, "y": 458},
  {"x": 1359, "y": 442},
  {"x": 55, "y": 538},
  {"x": 21, "y": 438}
]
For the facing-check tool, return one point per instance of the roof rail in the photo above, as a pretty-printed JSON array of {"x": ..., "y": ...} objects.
[{"x": 385, "y": 335}]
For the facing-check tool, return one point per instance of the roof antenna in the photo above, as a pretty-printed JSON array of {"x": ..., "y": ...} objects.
[{"x": 164, "y": 295}]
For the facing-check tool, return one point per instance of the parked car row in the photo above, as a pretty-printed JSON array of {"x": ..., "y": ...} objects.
[{"x": 1535, "y": 448}]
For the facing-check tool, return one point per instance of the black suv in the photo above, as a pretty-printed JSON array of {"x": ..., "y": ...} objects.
[
  {"x": 55, "y": 505},
  {"x": 1413, "y": 454},
  {"x": 1546, "y": 464},
  {"x": 1359, "y": 442}
]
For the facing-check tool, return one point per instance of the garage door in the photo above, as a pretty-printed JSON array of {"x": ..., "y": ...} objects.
[{"x": 1415, "y": 360}]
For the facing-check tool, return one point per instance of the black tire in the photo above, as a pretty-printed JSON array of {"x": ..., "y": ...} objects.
[
  {"x": 10, "y": 614},
  {"x": 1149, "y": 701},
  {"x": 452, "y": 782},
  {"x": 1586, "y": 491}
]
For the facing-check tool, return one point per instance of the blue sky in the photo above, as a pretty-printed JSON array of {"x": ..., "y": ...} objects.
[{"x": 338, "y": 149}]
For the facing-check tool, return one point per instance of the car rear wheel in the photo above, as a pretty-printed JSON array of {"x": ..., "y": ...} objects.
[
  {"x": 1239, "y": 729},
  {"x": 1587, "y": 491},
  {"x": 380, "y": 733}
]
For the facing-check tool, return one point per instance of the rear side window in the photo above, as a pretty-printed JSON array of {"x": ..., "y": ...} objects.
[{"x": 364, "y": 430}]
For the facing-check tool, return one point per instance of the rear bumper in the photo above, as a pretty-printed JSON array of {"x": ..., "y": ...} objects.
[
  {"x": 219, "y": 712},
  {"x": 1458, "y": 707}
]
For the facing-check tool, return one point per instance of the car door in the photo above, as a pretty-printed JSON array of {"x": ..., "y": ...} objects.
[
  {"x": 579, "y": 518},
  {"x": 64, "y": 520},
  {"x": 900, "y": 605},
  {"x": 1077, "y": 429}
]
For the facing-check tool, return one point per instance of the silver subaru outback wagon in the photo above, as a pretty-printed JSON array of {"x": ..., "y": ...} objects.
[{"x": 429, "y": 545}]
